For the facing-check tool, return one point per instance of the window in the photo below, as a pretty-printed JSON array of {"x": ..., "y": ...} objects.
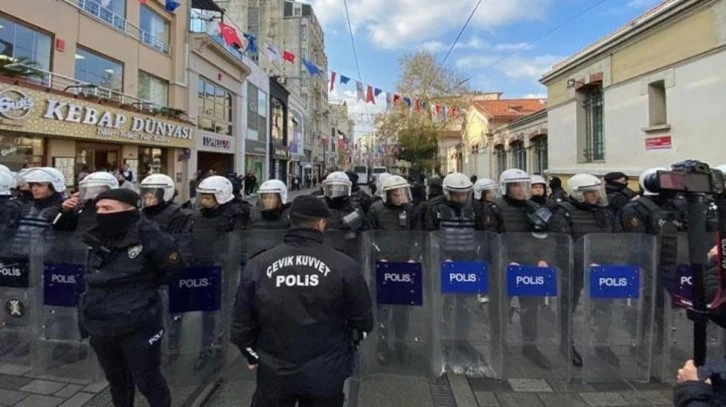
[
  {"x": 501, "y": 158},
  {"x": 297, "y": 10},
  {"x": 592, "y": 110},
  {"x": 154, "y": 30},
  {"x": 153, "y": 89},
  {"x": 214, "y": 107},
  {"x": 98, "y": 70},
  {"x": 20, "y": 41},
  {"x": 657, "y": 103},
  {"x": 540, "y": 154},
  {"x": 112, "y": 12},
  {"x": 519, "y": 157},
  {"x": 252, "y": 122},
  {"x": 303, "y": 32},
  {"x": 262, "y": 115}
]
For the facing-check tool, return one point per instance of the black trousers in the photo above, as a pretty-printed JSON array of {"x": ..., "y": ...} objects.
[
  {"x": 131, "y": 361},
  {"x": 285, "y": 392}
]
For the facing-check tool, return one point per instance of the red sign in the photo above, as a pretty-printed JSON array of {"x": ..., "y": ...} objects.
[{"x": 658, "y": 143}]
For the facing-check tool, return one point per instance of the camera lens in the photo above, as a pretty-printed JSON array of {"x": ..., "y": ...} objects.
[{"x": 651, "y": 183}]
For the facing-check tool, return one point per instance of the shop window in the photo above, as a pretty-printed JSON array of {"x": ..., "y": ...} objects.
[
  {"x": 152, "y": 161},
  {"x": 214, "y": 107},
  {"x": 100, "y": 71},
  {"x": 154, "y": 30},
  {"x": 153, "y": 89},
  {"x": 21, "y": 152},
  {"x": 19, "y": 41}
]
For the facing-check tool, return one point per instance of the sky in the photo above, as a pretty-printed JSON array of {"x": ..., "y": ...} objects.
[{"x": 506, "y": 47}]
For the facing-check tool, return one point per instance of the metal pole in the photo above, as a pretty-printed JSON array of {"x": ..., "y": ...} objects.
[{"x": 698, "y": 253}]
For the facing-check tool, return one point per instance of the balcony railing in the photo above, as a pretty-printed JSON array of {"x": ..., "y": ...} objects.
[
  {"x": 57, "y": 82},
  {"x": 202, "y": 25},
  {"x": 94, "y": 9}
]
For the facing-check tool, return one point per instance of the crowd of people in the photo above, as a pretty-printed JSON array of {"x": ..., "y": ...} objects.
[{"x": 120, "y": 309}]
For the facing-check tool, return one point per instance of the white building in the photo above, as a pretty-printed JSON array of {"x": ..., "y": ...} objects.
[{"x": 649, "y": 94}]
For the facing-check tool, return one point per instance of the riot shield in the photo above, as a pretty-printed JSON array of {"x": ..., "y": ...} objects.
[
  {"x": 535, "y": 293},
  {"x": 465, "y": 273},
  {"x": 345, "y": 241},
  {"x": 61, "y": 352},
  {"x": 18, "y": 304},
  {"x": 615, "y": 324},
  {"x": 196, "y": 320},
  {"x": 675, "y": 329},
  {"x": 400, "y": 344}
]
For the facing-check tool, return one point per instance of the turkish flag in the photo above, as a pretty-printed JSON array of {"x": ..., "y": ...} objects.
[
  {"x": 230, "y": 35},
  {"x": 288, "y": 56}
]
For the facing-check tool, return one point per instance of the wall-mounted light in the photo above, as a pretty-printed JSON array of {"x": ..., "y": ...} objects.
[{"x": 571, "y": 83}]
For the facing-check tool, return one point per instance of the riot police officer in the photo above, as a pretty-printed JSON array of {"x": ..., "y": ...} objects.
[
  {"x": 216, "y": 215},
  {"x": 393, "y": 213},
  {"x": 129, "y": 259},
  {"x": 584, "y": 211},
  {"x": 9, "y": 205},
  {"x": 272, "y": 207},
  {"x": 513, "y": 213},
  {"x": 539, "y": 193},
  {"x": 619, "y": 194},
  {"x": 357, "y": 195},
  {"x": 377, "y": 186},
  {"x": 345, "y": 215},
  {"x": 47, "y": 186},
  {"x": 79, "y": 211},
  {"x": 157, "y": 193},
  {"x": 486, "y": 192},
  {"x": 300, "y": 309}
]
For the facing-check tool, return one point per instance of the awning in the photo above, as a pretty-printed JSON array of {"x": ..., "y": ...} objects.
[{"x": 206, "y": 5}]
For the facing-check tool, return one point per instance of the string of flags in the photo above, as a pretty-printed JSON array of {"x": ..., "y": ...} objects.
[{"x": 169, "y": 5}]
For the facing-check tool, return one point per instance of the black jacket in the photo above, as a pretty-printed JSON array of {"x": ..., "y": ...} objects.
[
  {"x": 699, "y": 394},
  {"x": 81, "y": 220},
  {"x": 618, "y": 195},
  {"x": 123, "y": 277},
  {"x": 299, "y": 307}
]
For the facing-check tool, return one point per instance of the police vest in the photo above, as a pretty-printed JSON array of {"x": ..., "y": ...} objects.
[
  {"x": 392, "y": 218},
  {"x": 166, "y": 217},
  {"x": 584, "y": 221},
  {"x": 512, "y": 219},
  {"x": 220, "y": 224},
  {"x": 260, "y": 219},
  {"x": 458, "y": 231},
  {"x": 658, "y": 220}
]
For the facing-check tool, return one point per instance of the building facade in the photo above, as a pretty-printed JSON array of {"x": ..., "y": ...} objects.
[
  {"x": 647, "y": 95},
  {"x": 522, "y": 144},
  {"x": 109, "y": 89},
  {"x": 339, "y": 147},
  {"x": 257, "y": 137}
]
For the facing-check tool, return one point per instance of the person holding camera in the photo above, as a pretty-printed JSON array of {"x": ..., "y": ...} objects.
[{"x": 584, "y": 211}]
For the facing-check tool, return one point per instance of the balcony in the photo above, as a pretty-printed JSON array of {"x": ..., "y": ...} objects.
[
  {"x": 200, "y": 26},
  {"x": 95, "y": 10}
]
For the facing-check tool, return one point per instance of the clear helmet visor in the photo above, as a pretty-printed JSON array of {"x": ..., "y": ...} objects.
[
  {"x": 461, "y": 197},
  {"x": 519, "y": 190},
  {"x": 591, "y": 195},
  {"x": 397, "y": 196},
  {"x": 151, "y": 196},
  {"x": 333, "y": 191},
  {"x": 269, "y": 201},
  {"x": 87, "y": 193},
  {"x": 205, "y": 200}
]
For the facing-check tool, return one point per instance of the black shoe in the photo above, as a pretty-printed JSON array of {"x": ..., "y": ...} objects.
[
  {"x": 536, "y": 357},
  {"x": 576, "y": 358},
  {"x": 607, "y": 355}
]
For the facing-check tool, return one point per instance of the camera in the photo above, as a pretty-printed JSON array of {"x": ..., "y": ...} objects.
[
  {"x": 690, "y": 177},
  {"x": 540, "y": 220}
]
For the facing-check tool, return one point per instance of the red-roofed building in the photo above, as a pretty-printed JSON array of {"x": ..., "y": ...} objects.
[{"x": 485, "y": 155}]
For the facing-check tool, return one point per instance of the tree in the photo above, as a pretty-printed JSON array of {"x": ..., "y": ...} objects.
[
  {"x": 20, "y": 66},
  {"x": 414, "y": 128}
]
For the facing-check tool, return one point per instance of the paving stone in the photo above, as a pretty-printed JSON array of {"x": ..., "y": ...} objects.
[
  {"x": 37, "y": 400},
  {"x": 462, "y": 391},
  {"x": 614, "y": 386},
  {"x": 96, "y": 387},
  {"x": 68, "y": 391},
  {"x": 486, "y": 399},
  {"x": 487, "y": 384},
  {"x": 519, "y": 399},
  {"x": 644, "y": 398},
  {"x": 78, "y": 400},
  {"x": 562, "y": 400},
  {"x": 42, "y": 387},
  {"x": 8, "y": 382},
  {"x": 599, "y": 399},
  {"x": 577, "y": 386},
  {"x": 654, "y": 384},
  {"x": 530, "y": 385},
  {"x": 15, "y": 370},
  {"x": 10, "y": 397}
]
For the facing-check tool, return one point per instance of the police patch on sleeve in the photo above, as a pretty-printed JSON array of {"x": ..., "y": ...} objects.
[
  {"x": 173, "y": 258},
  {"x": 632, "y": 222}
]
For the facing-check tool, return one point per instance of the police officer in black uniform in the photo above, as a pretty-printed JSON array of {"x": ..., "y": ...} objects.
[
  {"x": 345, "y": 214},
  {"x": 271, "y": 211},
  {"x": 539, "y": 193},
  {"x": 129, "y": 259},
  {"x": 513, "y": 213},
  {"x": 584, "y": 211},
  {"x": 157, "y": 193},
  {"x": 357, "y": 195},
  {"x": 9, "y": 205},
  {"x": 300, "y": 309},
  {"x": 619, "y": 194},
  {"x": 79, "y": 211}
]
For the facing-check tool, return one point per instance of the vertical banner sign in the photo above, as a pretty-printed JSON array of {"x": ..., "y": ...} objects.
[
  {"x": 200, "y": 289},
  {"x": 61, "y": 284},
  {"x": 464, "y": 277},
  {"x": 14, "y": 272},
  {"x": 399, "y": 283},
  {"x": 531, "y": 281},
  {"x": 683, "y": 295},
  {"x": 614, "y": 282}
]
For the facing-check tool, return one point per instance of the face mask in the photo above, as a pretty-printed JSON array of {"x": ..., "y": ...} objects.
[{"x": 117, "y": 223}]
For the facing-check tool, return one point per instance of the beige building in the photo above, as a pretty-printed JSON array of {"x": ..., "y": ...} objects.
[
  {"x": 649, "y": 94},
  {"x": 108, "y": 72},
  {"x": 339, "y": 148}
]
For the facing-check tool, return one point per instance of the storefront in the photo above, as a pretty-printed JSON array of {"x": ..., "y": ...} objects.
[
  {"x": 255, "y": 153},
  {"x": 74, "y": 135},
  {"x": 215, "y": 153},
  {"x": 279, "y": 133}
]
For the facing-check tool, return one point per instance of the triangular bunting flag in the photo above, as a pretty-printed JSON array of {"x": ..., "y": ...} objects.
[
  {"x": 311, "y": 67},
  {"x": 171, "y": 5},
  {"x": 344, "y": 80},
  {"x": 359, "y": 91},
  {"x": 369, "y": 95},
  {"x": 389, "y": 100},
  {"x": 230, "y": 35},
  {"x": 288, "y": 56},
  {"x": 251, "y": 43},
  {"x": 377, "y": 92},
  {"x": 332, "y": 80},
  {"x": 273, "y": 54},
  {"x": 407, "y": 101}
]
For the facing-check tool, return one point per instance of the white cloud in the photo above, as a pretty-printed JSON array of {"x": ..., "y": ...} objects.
[
  {"x": 475, "y": 43},
  {"x": 393, "y": 24},
  {"x": 527, "y": 67},
  {"x": 475, "y": 62},
  {"x": 642, "y": 3},
  {"x": 534, "y": 96},
  {"x": 362, "y": 113}
]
